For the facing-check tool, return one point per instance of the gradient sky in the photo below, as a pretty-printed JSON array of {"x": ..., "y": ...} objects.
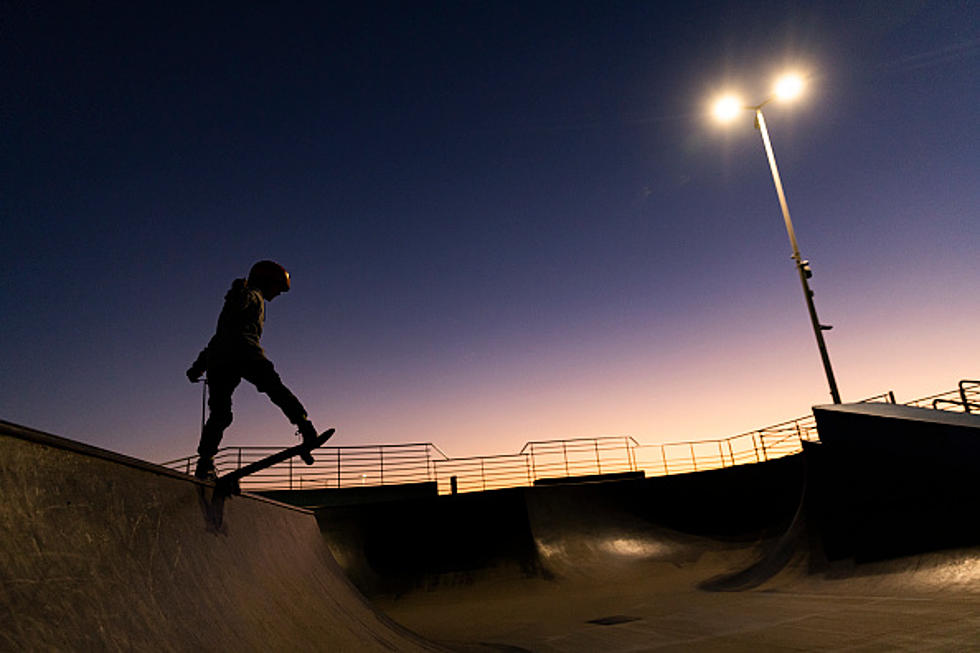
[{"x": 504, "y": 221}]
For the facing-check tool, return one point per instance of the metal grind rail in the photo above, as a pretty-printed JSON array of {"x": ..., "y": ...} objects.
[{"x": 377, "y": 465}]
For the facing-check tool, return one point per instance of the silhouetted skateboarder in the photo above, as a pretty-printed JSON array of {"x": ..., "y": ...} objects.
[{"x": 234, "y": 353}]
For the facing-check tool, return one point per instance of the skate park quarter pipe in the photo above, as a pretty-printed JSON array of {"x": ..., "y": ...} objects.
[{"x": 104, "y": 552}]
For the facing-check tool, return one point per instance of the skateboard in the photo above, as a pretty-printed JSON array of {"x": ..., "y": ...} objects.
[{"x": 228, "y": 483}]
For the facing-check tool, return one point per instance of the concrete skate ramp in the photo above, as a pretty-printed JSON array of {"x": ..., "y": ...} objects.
[
  {"x": 693, "y": 525},
  {"x": 863, "y": 542},
  {"x": 99, "y": 551}
]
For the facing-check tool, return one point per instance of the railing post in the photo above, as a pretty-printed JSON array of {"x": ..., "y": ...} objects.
[
  {"x": 756, "y": 447},
  {"x": 731, "y": 454},
  {"x": 338, "y": 468},
  {"x": 381, "y": 460},
  {"x": 239, "y": 457},
  {"x": 721, "y": 453},
  {"x": 290, "y": 473},
  {"x": 534, "y": 471},
  {"x": 966, "y": 404},
  {"x": 564, "y": 451},
  {"x": 483, "y": 475},
  {"x": 598, "y": 463},
  {"x": 527, "y": 466},
  {"x": 663, "y": 454},
  {"x": 694, "y": 460}
]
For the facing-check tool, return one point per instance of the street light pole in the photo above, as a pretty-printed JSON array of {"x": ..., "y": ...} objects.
[{"x": 802, "y": 266}]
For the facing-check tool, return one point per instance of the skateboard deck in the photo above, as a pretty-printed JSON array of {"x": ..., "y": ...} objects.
[{"x": 228, "y": 483}]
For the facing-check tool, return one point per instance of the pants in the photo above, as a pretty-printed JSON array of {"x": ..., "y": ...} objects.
[{"x": 223, "y": 378}]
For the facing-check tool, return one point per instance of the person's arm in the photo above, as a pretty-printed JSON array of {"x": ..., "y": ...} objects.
[{"x": 198, "y": 367}]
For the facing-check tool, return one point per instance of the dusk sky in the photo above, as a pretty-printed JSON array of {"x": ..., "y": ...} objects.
[{"x": 504, "y": 221}]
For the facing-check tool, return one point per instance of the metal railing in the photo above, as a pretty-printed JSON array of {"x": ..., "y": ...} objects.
[
  {"x": 480, "y": 473},
  {"x": 581, "y": 456},
  {"x": 965, "y": 399},
  {"x": 377, "y": 465},
  {"x": 335, "y": 467},
  {"x": 753, "y": 447}
]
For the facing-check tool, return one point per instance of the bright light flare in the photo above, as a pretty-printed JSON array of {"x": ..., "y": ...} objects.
[
  {"x": 727, "y": 108},
  {"x": 788, "y": 87}
]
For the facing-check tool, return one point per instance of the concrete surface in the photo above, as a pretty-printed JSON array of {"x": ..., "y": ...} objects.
[{"x": 101, "y": 552}]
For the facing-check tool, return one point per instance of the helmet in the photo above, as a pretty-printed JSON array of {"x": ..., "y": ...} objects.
[{"x": 269, "y": 274}]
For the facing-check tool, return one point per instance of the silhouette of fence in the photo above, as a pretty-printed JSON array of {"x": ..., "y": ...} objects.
[
  {"x": 376, "y": 465},
  {"x": 965, "y": 399},
  {"x": 335, "y": 467}
]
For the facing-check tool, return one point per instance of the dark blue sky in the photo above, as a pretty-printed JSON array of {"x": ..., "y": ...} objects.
[{"x": 505, "y": 221}]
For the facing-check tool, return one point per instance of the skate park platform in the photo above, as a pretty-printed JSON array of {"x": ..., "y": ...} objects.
[{"x": 867, "y": 540}]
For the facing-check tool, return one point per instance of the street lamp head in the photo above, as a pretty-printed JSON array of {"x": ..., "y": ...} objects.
[
  {"x": 727, "y": 108},
  {"x": 788, "y": 87}
]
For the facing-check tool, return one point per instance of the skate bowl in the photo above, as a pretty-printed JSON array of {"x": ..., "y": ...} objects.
[
  {"x": 104, "y": 552},
  {"x": 867, "y": 540}
]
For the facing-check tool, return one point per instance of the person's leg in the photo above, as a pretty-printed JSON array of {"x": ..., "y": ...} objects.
[
  {"x": 262, "y": 373},
  {"x": 221, "y": 385}
]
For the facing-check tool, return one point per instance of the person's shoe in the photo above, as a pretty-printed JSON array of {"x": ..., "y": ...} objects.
[
  {"x": 205, "y": 469},
  {"x": 309, "y": 434}
]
